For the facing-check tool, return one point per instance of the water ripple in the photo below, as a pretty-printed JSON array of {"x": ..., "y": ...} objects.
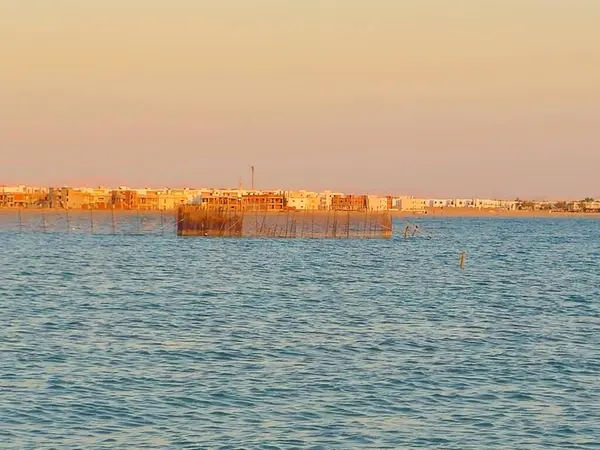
[{"x": 159, "y": 342}]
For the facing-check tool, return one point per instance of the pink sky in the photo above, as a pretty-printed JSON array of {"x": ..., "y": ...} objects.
[{"x": 432, "y": 97}]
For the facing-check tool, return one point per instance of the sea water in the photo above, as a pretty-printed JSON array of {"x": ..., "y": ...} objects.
[{"x": 154, "y": 341}]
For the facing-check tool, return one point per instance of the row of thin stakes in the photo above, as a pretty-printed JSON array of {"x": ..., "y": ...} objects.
[
  {"x": 191, "y": 220},
  {"x": 91, "y": 221}
]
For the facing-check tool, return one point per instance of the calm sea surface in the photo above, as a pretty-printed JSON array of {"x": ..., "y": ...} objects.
[{"x": 154, "y": 341}]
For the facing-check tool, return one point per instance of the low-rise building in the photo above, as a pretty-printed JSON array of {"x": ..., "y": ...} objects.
[
  {"x": 510, "y": 205},
  {"x": 586, "y": 206},
  {"x": 302, "y": 200},
  {"x": 461, "y": 203},
  {"x": 350, "y": 202},
  {"x": 438, "y": 202},
  {"x": 124, "y": 198},
  {"x": 173, "y": 198},
  {"x": 410, "y": 203},
  {"x": 296, "y": 200},
  {"x": 266, "y": 201},
  {"x": 100, "y": 198},
  {"x": 326, "y": 199},
  {"x": 68, "y": 198},
  {"x": 23, "y": 197},
  {"x": 377, "y": 203}
]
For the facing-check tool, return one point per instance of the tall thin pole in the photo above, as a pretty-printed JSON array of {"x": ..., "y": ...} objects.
[
  {"x": 162, "y": 221},
  {"x": 348, "y": 226},
  {"x": 252, "y": 167},
  {"x": 91, "y": 219},
  {"x": 138, "y": 219},
  {"x": 276, "y": 223},
  {"x": 20, "y": 221},
  {"x": 303, "y": 222},
  {"x": 68, "y": 220},
  {"x": 262, "y": 225},
  {"x": 462, "y": 259},
  {"x": 287, "y": 220}
]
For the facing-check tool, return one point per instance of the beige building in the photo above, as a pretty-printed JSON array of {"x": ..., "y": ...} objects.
[
  {"x": 173, "y": 198},
  {"x": 68, "y": 198},
  {"x": 302, "y": 200},
  {"x": 409, "y": 203},
  {"x": 23, "y": 197},
  {"x": 376, "y": 203},
  {"x": 326, "y": 199},
  {"x": 100, "y": 198}
]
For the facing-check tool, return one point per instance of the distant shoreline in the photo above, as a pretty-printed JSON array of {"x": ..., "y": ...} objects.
[
  {"x": 427, "y": 213},
  {"x": 476, "y": 212}
]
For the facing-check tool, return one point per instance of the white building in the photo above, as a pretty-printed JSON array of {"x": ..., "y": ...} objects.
[
  {"x": 438, "y": 202},
  {"x": 461, "y": 203}
]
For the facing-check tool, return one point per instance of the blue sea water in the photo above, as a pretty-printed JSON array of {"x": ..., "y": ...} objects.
[{"x": 154, "y": 341}]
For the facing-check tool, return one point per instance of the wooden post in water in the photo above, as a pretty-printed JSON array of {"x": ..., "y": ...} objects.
[
  {"x": 112, "y": 214},
  {"x": 348, "y": 225},
  {"x": 334, "y": 225},
  {"x": 303, "y": 218},
  {"x": 20, "y": 221},
  {"x": 463, "y": 257},
  {"x": 138, "y": 219},
  {"x": 276, "y": 224},
  {"x": 287, "y": 221},
  {"x": 178, "y": 220},
  {"x": 294, "y": 224},
  {"x": 91, "y": 219},
  {"x": 262, "y": 225},
  {"x": 162, "y": 221}
]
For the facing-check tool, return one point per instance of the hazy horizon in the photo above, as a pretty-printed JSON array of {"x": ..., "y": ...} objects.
[{"x": 468, "y": 98}]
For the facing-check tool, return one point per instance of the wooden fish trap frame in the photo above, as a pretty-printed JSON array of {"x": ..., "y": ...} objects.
[{"x": 196, "y": 220}]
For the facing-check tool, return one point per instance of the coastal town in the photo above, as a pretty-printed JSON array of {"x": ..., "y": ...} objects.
[{"x": 125, "y": 198}]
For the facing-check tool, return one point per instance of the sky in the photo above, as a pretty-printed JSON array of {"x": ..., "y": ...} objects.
[{"x": 437, "y": 98}]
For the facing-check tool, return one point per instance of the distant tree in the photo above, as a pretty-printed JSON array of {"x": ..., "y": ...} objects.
[
  {"x": 527, "y": 205},
  {"x": 588, "y": 199},
  {"x": 561, "y": 206}
]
